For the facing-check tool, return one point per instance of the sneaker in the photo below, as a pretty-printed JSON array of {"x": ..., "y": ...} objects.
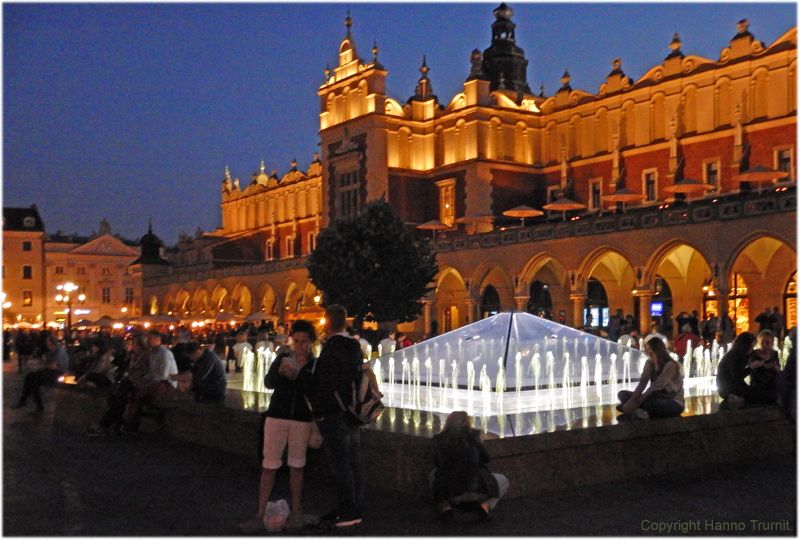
[
  {"x": 344, "y": 522},
  {"x": 641, "y": 414},
  {"x": 96, "y": 431}
]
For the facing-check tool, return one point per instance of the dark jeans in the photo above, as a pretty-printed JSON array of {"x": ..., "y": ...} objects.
[
  {"x": 656, "y": 407},
  {"x": 121, "y": 393},
  {"x": 342, "y": 446},
  {"x": 33, "y": 383},
  {"x": 144, "y": 395}
]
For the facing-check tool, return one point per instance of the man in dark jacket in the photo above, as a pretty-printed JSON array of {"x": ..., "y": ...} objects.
[
  {"x": 208, "y": 374},
  {"x": 338, "y": 366}
]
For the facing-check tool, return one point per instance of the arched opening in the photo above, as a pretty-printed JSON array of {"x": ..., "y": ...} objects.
[
  {"x": 490, "y": 302},
  {"x": 661, "y": 307},
  {"x": 790, "y": 302},
  {"x": 451, "y": 295},
  {"x": 218, "y": 300},
  {"x": 738, "y": 304},
  {"x": 152, "y": 306},
  {"x": 596, "y": 303},
  {"x": 540, "y": 303}
]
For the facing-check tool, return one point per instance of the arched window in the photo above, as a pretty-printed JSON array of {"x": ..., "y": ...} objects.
[
  {"x": 758, "y": 86},
  {"x": 490, "y": 302},
  {"x": 596, "y": 303},
  {"x": 663, "y": 295},
  {"x": 627, "y": 131},
  {"x": 460, "y": 141},
  {"x": 404, "y": 148},
  {"x": 540, "y": 303},
  {"x": 688, "y": 105},
  {"x": 438, "y": 147},
  {"x": 790, "y": 302},
  {"x": 722, "y": 103},
  {"x": 738, "y": 306},
  {"x": 574, "y": 149},
  {"x": 601, "y": 131},
  {"x": 657, "y": 118}
]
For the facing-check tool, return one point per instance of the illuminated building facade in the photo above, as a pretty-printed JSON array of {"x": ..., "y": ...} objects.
[
  {"x": 687, "y": 234},
  {"x": 36, "y": 263}
]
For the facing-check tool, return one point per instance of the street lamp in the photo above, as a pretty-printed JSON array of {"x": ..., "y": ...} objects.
[{"x": 67, "y": 299}]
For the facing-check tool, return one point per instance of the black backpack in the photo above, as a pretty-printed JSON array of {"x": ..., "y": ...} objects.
[{"x": 365, "y": 403}]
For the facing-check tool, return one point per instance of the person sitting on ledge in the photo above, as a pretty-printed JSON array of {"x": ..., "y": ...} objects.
[
  {"x": 732, "y": 371},
  {"x": 764, "y": 367},
  {"x": 460, "y": 476},
  {"x": 664, "y": 397}
]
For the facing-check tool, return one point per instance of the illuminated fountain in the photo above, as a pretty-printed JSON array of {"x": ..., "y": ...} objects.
[{"x": 515, "y": 373}]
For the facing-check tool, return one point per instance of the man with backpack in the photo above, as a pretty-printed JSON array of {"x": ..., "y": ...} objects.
[{"x": 330, "y": 394}]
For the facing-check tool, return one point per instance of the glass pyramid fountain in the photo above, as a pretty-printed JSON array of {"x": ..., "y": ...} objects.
[{"x": 512, "y": 351}]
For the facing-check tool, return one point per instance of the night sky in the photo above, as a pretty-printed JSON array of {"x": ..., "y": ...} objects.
[{"x": 132, "y": 111}]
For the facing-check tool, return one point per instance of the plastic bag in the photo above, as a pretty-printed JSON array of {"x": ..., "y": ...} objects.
[{"x": 276, "y": 515}]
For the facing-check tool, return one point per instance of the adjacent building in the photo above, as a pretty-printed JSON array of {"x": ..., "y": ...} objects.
[{"x": 644, "y": 208}]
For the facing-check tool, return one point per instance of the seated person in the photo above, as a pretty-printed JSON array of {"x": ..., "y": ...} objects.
[
  {"x": 664, "y": 396},
  {"x": 55, "y": 362},
  {"x": 207, "y": 376},
  {"x": 461, "y": 475},
  {"x": 101, "y": 371},
  {"x": 733, "y": 370},
  {"x": 388, "y": 344},
  {"x": 765, "y": 371}
]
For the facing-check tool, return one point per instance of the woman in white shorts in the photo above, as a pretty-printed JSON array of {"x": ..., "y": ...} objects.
[{"x": 289, "y": 419}]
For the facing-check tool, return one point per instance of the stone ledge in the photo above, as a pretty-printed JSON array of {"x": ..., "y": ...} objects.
[{"x": 533, "y": 463}]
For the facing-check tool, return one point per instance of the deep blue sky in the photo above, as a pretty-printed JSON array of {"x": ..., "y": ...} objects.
[{"x": 132, "y": 111}]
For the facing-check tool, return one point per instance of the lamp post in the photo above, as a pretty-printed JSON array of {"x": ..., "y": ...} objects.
[{"x": 67, "y": 299}]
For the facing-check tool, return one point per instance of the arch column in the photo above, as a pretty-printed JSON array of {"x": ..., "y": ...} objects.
[
  {"x": 643, "y": 316},
  {"x": 426, "y": 312},
  {"x": 472, "y": 310},
  {"x": 522, "y": 302},
  {"x": 578, "y": 301}
]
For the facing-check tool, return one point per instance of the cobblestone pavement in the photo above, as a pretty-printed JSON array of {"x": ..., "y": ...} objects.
[{"x": 58, "y": 483}]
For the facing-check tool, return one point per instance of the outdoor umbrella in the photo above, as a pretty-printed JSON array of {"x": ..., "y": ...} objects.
[
  {"x": 523, "y": 211},
  {"x": 624, "y": 196},
  {"x": 474, "y": 219},
  {"x": 688, "y": 186},
  {"x": 83, "y": 322},
  {"x": 563, "y": 204},
  {"x": 104, "y": 321},
  {"x": 433, "y": 225},
  {"x": 760, "y": 174}
]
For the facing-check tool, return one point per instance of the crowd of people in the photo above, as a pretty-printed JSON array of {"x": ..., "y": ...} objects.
[{"x": 308, "y": 407}]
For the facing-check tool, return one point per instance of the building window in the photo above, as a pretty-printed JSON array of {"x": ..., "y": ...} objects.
[
  {"x": 289, "y": 246},
  {"x": 271, "y": 249},
  {"x": 81, "y": 270},
  {"x": 106, "y": 271},
  {"x": 27, "y": 298},
  {"x": 783, "y": 162},
  {"x": 106, "y": 295},
  {"x": 447, "y": 201},
  {"x": 595, "y": 194},
  {"x": 27, "y": 246},
  {"x": 347, "y": 194},
  {"x": 129, "y": 295},
  {"x": 650, "y": 185},
  {"x": 27, "y": 272},
  {"x": 59, "y": 269},
  {"x": 711, "y": 174},
  {"x": 312, "y": 241},
  {"x": 29, "y": 222}
]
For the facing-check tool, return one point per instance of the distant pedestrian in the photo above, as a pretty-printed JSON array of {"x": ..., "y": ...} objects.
[{"x": 56, "y": 363}]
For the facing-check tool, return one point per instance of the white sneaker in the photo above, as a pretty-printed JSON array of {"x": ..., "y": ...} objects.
[{"x": 347, "y": 522}]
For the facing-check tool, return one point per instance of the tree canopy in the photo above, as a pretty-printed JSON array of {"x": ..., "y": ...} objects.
[{"x": 370, "y": 265}]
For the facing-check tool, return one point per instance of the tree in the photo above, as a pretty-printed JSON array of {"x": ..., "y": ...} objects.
[{"x": 369, "y": 264}]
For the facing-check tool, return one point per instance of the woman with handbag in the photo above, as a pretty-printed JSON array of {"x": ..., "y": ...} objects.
[
  {"x": 461, "y": 476},
  {"x": 288, "y": 417}
]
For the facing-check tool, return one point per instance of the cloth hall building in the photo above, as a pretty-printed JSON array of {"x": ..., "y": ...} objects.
[{"x": 650, "y": 212}]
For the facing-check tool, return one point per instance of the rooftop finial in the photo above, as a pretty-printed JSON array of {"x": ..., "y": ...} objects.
[
  {"x": 348, "y": 22},
  {"x": 227, "y": 173},
  {"x": 676, "y": 42},
  {"x": 262, "y": 166},
  {"x": 375, "y": 51},
  {"x": 150, "y": 227}
]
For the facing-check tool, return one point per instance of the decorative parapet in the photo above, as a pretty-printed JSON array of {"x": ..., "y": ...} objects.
[{"x": 723, "y": 208}]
